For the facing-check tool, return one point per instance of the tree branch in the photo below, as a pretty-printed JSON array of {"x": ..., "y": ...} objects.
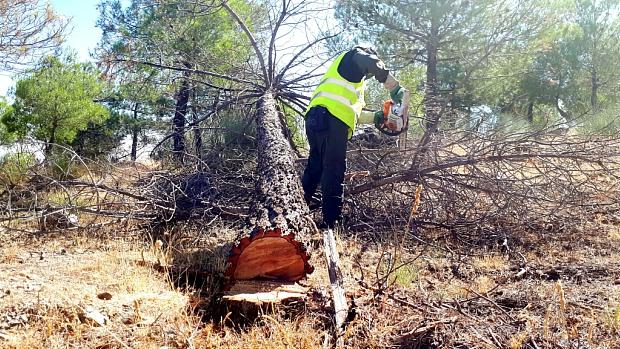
[{"x": 247, "y": 31}]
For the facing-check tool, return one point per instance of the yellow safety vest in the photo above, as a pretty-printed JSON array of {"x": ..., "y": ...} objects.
[{"x": 343, "y": 99}]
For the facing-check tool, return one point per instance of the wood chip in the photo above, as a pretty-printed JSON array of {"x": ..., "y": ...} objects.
[
  {"x": 93, "y": 317},
  {"x": 106, "y": 296}
]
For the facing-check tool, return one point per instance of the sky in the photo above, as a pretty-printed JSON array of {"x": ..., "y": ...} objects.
[{"x": 83, "y": 37}]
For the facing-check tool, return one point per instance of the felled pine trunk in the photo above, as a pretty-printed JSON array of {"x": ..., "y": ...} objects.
[{"x": 274, "y": 245}]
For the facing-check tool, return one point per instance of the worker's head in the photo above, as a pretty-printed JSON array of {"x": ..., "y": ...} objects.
[{"x": 366, "y": 48}]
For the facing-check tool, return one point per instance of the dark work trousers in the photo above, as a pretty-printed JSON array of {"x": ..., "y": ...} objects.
[{"x": 328, "y": 137}]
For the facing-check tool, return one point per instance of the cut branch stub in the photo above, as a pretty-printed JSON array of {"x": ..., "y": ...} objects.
[
  {"x": 269, "y": 255},
  {"x": 279, "y": 226}
]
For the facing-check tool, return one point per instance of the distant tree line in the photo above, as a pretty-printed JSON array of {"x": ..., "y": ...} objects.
[{"x": 164, "y": 68}]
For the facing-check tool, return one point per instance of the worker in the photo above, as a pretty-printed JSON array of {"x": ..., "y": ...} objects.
[{"x": 336, "y": 106}]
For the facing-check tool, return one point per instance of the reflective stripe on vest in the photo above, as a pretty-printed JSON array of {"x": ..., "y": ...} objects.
[
  {"x": 344, "y": 84},
  {"x": 343, "y": 99},
  {"x": 335, "y": 97}
]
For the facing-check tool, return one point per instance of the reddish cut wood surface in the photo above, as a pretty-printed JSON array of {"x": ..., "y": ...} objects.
[
  {"x": 269, "y": 255},
  {"x": 271, "y": 258}
]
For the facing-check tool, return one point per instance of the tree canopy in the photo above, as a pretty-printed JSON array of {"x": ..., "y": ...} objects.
[
  {"x": 172, "y": 65},
  {"x": 29, "y": 29},
  {"x": 56, "y": 100}
]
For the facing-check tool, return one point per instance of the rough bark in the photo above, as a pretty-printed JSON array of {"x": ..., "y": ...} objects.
[
  {"x": 530, "y": 112},
  {"x": 431, "y": 98},
  {"x": 274, "y": 247},
  {"x": 594, "y": 89},
  {"x": 431, "y": 101},
  {"x": 280, "y": 200},
  {"x": 134, "y": 134},
  {"x": 197, "y": 134},
  {"x": 50, "y": 143},
  {"x": 178, "y": 121}
]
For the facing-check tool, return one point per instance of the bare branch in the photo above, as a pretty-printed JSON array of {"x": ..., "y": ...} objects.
[{"x": 250, "y": 36}]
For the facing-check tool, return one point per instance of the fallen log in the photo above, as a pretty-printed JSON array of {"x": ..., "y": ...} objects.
[{"x": 275, "y": 244}]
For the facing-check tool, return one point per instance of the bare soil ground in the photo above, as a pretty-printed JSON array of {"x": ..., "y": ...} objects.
[
  {"x": 110, "y": 288},
  {"x": 73, "y": 291},
  {"x": 545, "y": 291}
]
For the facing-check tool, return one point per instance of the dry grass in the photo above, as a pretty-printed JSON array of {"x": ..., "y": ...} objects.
[
  {"x": 496, "y": 262},
  {"x": 437, "y": 300},
  {"x": 50, "y": 283},
  {"x": 568, "y": 296},
  {"x": 614, "y": 235},
  {"x": 49, "y": 296},
  {"x": 148, "y": 311},
  {"x": 270, "y": 333}
]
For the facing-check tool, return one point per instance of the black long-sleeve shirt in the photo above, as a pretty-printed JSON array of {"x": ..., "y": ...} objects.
[{"x": 357, "y": 64}]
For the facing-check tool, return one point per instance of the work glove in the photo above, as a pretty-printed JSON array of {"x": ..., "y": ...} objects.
[
  {"x": 378, "y": 118},
  {"x": 397, "y": 94}
]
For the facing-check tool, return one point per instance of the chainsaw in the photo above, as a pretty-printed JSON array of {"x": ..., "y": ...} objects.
[{"x": 393, "y": 121}]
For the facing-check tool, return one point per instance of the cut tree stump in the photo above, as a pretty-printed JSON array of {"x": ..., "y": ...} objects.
[
  {"x": 264, "y": 292},
  {"x": 247, "y": 300},
  {"x": 269, "y": 255},
  {"x": 279, "y": 228}
]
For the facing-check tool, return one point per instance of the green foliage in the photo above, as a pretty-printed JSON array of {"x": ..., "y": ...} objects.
[
  {"x": 523, "y": 58},
  {"x": 99, "y": 140},
  {"x": 55, "y": 101},
  {"x": 554, "y": 70},
  {"x": 453, "y": 42},
  {"x": 191, "y": 35},
  {"x": 64, "y": 164},
  {"x": 14, "y": 167},
  {"x": 599, "y": 44},
  {"x": 237, "y": 130},
  {"x": 294, "y": 123},
  {"x": 406, "y": 275},
  {"x": 573, "y": 61},
  {"x": 6, "y": 111},
  {"x": 413, "y": 79},
  {"x": 604, "y": 121},
  {"x": 144, "y": 33}
]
